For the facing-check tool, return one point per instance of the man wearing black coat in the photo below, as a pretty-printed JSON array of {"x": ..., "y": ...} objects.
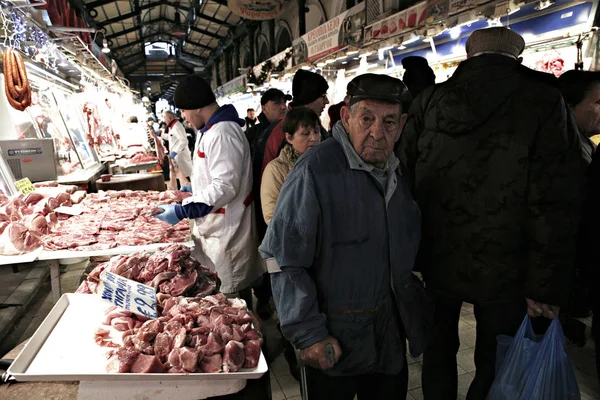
[{"x": 498, "y": 173}]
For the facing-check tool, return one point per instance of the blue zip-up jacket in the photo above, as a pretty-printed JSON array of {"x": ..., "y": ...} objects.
[{"x": 346, "y": 246}]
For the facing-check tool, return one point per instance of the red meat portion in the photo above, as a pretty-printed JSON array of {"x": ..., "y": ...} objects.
[
  {"x": 212, "y": 364},
  {"x": 145, "y": 364},
  {"x": 234, "y": 357},
  {"x": 252, "y": 352}
]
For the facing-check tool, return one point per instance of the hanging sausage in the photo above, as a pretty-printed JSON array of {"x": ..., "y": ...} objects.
[{"x": 16, "y": 84}]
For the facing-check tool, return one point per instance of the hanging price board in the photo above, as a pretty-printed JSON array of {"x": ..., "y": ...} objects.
[
  {"x": 25, "y": 186},
  {"x": 130, "y": 295}
]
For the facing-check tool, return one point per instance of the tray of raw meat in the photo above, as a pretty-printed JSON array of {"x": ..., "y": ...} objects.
[
  {"x": 198, "y": 334},
  {"x": 208, "y": 338}
]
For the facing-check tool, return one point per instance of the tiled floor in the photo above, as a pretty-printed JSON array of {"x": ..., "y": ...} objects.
[{"x": 284, "y": 387}]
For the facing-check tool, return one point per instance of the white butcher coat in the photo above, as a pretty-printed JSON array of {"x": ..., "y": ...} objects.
[
  {"x": 178, "y": 143},
  {"x": 226, "y": 239}
]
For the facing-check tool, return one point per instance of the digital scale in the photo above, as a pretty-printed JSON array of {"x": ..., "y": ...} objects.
[{"x": 30, "y": 158}]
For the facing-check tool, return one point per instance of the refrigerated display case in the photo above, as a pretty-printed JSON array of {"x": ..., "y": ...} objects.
[{"x": 73, "y": 120}]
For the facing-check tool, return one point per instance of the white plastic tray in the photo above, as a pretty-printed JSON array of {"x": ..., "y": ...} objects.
[
  {"x": 22, "y": 258},
  {"x": 63, "y": 348}
]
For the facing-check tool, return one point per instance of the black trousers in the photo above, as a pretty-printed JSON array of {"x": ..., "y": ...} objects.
[
  {"x": 366, "y": 387},
  {"x": 439, "y": 377},
  {"x": 262, "y": 290}
]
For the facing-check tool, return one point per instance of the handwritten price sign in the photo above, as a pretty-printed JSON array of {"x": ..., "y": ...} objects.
[
  {"x": 25, "y": 186},
  {"x": 130, "y": 295}
]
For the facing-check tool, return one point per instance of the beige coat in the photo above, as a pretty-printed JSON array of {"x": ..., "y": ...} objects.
[{"x": 272, "y": 180}]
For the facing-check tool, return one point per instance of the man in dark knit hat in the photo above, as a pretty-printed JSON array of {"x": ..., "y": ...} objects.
[
  {"x": 418, "y": 75},
  {"x": 309, "y": 90},
  {"x": 225, "y": 237},
  {"x": 498, "y": 173},
  {"x": 273, "y": 107}
]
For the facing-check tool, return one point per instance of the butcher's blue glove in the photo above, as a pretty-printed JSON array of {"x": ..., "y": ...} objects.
[
  {"x": 186, "y": 188},
  {"x": 169, "y": 214},
  {"x": 173, "y": 155}
]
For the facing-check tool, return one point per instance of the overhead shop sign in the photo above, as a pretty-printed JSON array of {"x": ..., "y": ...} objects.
[
  {"x": 339, "y": 32},
  {"x": 403, "y": 21},
  {"x": 237, "y": 84},
  {"x": 257, "y": 10}
]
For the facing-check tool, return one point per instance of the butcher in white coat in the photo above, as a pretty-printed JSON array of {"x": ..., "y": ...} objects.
[
  {"x": 178, "y": 144},
  {"x": 226, "y": 239}
]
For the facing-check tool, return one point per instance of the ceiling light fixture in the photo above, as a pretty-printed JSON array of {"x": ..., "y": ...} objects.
[
  {"x": 105, "y": 48},
  {"x": 542, "y": 5},
  {"x": 178, "y": 29},
  {"x": 171, "y": 58}
]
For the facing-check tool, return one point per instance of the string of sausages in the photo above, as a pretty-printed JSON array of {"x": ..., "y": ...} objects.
[{"x": 16, "y": 84}]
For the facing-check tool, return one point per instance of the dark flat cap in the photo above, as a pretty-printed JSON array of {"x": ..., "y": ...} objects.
[
  {"x": 498, "y": 40},
  {"x": 377, "y": 87},
  {"x": 274, "y": 95}
]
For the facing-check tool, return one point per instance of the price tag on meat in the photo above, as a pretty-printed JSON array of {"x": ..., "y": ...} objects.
[
  {"x": 25, "y": 186},
  {"x": 130, "y": 295}
]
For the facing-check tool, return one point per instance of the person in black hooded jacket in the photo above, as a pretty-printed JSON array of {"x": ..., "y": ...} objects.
[{"x": 497, "y": 170}]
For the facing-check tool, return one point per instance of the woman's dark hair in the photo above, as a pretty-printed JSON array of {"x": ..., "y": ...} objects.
[
  {"x": 335, "y": 113},
  {"x": 575, "y": 84},
  {"x": 133, "y": 119},
  {"x": 297, "y": 117}
]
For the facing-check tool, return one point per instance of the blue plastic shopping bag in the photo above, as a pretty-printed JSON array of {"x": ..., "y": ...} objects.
[{"x": 534, "y": 367}]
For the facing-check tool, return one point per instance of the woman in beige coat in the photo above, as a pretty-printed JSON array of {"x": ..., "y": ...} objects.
[{"x": 302, "y": 131}]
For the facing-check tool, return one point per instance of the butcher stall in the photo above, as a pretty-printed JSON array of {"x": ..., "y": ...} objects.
[{"x": 168, "y": 334}]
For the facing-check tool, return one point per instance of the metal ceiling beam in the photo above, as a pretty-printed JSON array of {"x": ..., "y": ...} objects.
[
  {"x": 131, "y": 56},
  {"x": 221, "y": 2},
  {"x": 194, "y": 29},
  {"x": 97, "y": 3},
  {"x": 132, "y": 67},
  {"x": 132, "y": 14},
  {"x": 199, "y": 15},
  {"x": 127, "y": 31},
  {"x": 149, "y": 38}
]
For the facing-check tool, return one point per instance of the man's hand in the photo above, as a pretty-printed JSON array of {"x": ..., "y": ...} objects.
[
  {"x": 316, "y": 356},
  {"x": 535, "y": 309}
]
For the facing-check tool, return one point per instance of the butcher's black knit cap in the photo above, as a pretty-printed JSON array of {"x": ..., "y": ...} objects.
[
  {"x": 307, "y": 87},
  {"x": 193, "y": 92}
]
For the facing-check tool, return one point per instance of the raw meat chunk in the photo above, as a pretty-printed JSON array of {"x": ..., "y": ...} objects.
[
  {"x": 212, "y": 364},
  {"x": 145, "y": 364},
  {"x": 252, "y": 352},
  {"x": 17, "y": 239},
  {"x": 234, "y": 357},
  {"x": 122, "y": 360}
]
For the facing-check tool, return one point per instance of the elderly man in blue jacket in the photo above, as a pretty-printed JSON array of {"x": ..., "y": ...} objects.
[{"x": 341, "y": 247}]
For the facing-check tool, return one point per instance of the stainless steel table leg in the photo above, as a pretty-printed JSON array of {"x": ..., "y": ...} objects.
[{"x": 55, "y": 279}]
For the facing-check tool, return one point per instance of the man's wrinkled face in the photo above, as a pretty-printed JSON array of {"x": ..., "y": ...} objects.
[
  {"x": 274, "y": 109},
  {"x": 319, "y": 104},
  {"x": 373, "y": 128},
  {"x": 194, "y": 117}
]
